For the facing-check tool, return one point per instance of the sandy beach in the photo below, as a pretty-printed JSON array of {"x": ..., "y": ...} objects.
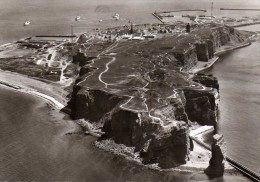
[{"x": 54, "y": 93}]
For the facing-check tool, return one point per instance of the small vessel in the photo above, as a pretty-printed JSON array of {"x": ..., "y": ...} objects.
[
  {"x": 27, "y": 23},
  {"x": 77, "y": 18},
  {"x": 100, "y": 20},
  {"x": 116, "y": 16}
]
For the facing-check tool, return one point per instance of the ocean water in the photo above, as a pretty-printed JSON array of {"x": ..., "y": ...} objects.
[
  {"x": 29, "y": 130},
  {"x": 238, "y": 73},
  {"x": 55, "y": 17}
]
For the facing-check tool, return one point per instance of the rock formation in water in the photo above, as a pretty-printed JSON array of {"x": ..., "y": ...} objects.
[{"x": 216, "y": 163}]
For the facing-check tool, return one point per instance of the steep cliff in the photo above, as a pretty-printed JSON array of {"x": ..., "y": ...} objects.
[
  {"x": 210, "y": 38},
  {"x": 187, "y": 57},
  {"x": 92, "y": 104},
  {"x": 166, "y": 144},
  {"x": 201, "y": 106},
  {"x": 159, "y": 135},
  {"x": 202, "y": 51}
]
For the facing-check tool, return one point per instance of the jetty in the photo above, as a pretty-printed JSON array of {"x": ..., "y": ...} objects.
[
  {"x": 157, "y": 17},
  {"x": 239, "y": 9},
  {"x": 174, "y": 11}
]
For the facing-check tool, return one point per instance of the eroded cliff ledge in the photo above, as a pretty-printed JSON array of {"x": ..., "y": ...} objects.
[{"x": 140, "y": 94}]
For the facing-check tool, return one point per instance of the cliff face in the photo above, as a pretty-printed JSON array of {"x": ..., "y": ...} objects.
[
  {"x": 211, "y": 38},
  {"x": 166, "y": 144},
  {"x": 187, "y": 58},
  {"x": 221, "y": 36},
  {"x": 93, "y": 104},
  {"x": 202, "y": 51},
  {"x": 201, "y": 106},
  {"x": 169, "y": 146},
  {"x": 160, "y": 135}
]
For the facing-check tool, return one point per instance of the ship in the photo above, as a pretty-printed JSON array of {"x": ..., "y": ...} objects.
[
  {"x": 77, "y": 18},
  {"x": 27, "y": 23}
]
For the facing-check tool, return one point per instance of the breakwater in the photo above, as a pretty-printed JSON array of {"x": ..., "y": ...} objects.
[
  {"x": 239, "y": 9},
  {"x": 157, "y": 17},
  {"x": 174, "y": 11}
]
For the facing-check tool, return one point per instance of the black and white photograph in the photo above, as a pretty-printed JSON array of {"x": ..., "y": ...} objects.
[{"x": 129, "y": 91}]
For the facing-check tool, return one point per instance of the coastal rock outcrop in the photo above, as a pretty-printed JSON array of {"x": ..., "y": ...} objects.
[
  {"x": 167, "y": 145},
  {"x": 92, "y": 104},
  {"x": 216, "y": 163}
]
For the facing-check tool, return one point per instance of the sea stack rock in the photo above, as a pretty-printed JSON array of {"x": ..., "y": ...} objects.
[{"x": 216, "y": 163}]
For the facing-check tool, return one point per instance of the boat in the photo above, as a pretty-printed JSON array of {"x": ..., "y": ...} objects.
[
  {"x": 77, "y": 18},
  {"x": 27, "y": 23},
  {"x": 100, "y": 20},
  {"x": 116, "y": 16}
]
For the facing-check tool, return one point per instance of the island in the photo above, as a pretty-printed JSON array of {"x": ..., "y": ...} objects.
[{"x": 137, "y": 88}]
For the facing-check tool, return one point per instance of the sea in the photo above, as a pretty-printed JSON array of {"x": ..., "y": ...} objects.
[{"x": 33, "y": 141}]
